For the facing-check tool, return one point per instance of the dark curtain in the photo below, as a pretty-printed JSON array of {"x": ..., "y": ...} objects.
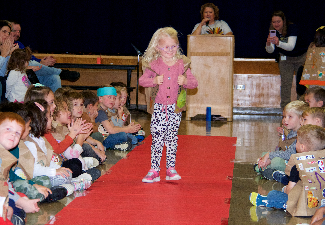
[{"x": 109, "y": 27}]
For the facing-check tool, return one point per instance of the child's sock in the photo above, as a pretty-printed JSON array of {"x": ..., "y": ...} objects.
[{"x": 257, "y": 199}]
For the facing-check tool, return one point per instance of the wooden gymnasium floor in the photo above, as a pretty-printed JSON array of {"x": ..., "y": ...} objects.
[{"x": 255, "y": 134}]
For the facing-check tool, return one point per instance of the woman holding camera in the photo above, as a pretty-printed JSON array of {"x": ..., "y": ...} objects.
[{"x": 284, "y": 39}]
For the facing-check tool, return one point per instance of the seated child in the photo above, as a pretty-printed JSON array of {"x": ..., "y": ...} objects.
[
  {"x": 17, "y": 82},
  {"x": 118, "y": 115},
  {"x": 301, "y": 195},
  {"x": 62, "y": 137},
  {"x": 76, "y": 107},
  {"x": 19, "y": 176},
  {"x": 44, "y": 161},
  {"x": 126, "y": 117},
  {"x": 276, "y": 160},
  {"x": 11, "y": 128},
  {"x": 313, "y": 116},
  {"x": 91, "y": 112},
  {"x": 315, "y": 96},
  {"x": 117, "y": 137},
  {"x": 39, "y": 91}
]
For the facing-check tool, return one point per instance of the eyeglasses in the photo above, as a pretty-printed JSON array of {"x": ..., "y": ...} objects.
[
  {"x": 171, "y": 48},
  {"x": 5, "y": 32}
]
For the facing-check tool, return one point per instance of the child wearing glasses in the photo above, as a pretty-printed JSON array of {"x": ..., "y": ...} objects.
[{"x": 166, "y": 76}]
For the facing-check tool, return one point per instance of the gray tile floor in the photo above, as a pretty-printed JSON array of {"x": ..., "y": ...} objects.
[{"x": 255, "y": 134}]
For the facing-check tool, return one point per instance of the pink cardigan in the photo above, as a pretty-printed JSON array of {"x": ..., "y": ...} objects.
[{"x": 168, "y": 91}]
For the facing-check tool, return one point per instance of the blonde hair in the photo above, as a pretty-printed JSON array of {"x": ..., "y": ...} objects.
[
  {"x": 152, "y": 53},
  {"x": 59, "y": 102},
  {"x": 316, "y": 112},
  {"x": 120, "y": 89},
  {"x": 312, "y": 136},
  {"x": 297, "y": 107}
]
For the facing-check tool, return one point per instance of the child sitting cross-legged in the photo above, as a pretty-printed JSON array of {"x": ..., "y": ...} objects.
[
  {"x": 303, "y": 194},
  {"x": 117, "y": 136},
  {"x": 313, "y": 116},
  {"x": 67, "y": 137},
  {"x": 91, "y": 147},
  {"x": 119, "y": 117},
  {"x": 44, "y": 161},
  {"x": 91, "y": 112},
  {"x": 12, "y": 126},
  {"x": 276, "y": 160},
  {"x": 123, "y": 113},
  {"x": 20, "y": 176}
]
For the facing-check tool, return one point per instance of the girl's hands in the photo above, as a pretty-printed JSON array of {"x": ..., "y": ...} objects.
[
  {"x": 132, "y": 128},
  {"x": 43, "y": 190},
  {"x": 28, "y": 205},
  {"x": 181, "y": 80},
  {"x": 264, "y": 161},
  {"x": 63, "y": 172},
  {"x": 159, "y": 80}
]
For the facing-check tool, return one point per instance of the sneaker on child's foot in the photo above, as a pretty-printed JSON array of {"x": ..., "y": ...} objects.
[
  {"x": 94, "y": 173},
  {"x": 280, "y": 176},
  {"x": 257, "y": 199},
  {"x": 91, "y": 162},
  {"x": 256, "y": 168},
  {"x": 125, "y": 146},
  {"x": 171, "y": 174},
  {"x": 58, "y": 193},
  {"x": 81, "y": 182},
  {"x": 267, "y": 173},
  {"x": 152, "y": 176},
  {"x": 69, "y": 187}
]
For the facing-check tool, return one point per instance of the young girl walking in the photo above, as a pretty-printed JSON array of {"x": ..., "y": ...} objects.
[
  {"x": 17, "y": 81},
  {"x": 167, "y": 75}
]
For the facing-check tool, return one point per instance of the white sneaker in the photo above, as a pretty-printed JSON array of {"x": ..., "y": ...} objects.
[
  {"x": 91, "y": 162},
  {"x": 69, "y": 187}
]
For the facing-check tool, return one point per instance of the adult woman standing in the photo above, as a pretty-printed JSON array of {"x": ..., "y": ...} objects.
[
  {"x": 289, "y": 44},
  {"x": 210, "y": 21}
]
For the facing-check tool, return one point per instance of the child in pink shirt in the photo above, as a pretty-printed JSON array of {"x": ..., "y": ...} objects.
[{"x": 167, "y": 75}]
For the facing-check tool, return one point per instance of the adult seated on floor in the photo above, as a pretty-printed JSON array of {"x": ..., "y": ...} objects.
[
  {"x": 7, "y": 46},
  {"x": 48, "y": 76}
]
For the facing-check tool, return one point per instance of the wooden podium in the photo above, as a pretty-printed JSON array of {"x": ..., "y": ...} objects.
[{"x": 212, "y": 65}]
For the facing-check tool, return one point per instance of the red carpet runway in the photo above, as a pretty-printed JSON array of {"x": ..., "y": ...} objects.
[{"x": 202, "y": 196}]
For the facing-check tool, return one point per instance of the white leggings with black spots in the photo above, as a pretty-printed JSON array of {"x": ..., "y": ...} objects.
[{"x": 164, "y": 130}]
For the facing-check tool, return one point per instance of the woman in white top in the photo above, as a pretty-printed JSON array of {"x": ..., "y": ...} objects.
[{"x": 210, "y": 23}]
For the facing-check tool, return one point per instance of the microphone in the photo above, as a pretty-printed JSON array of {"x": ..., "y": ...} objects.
[
  {"x": 137, "y": 50},
  {"x": 207, "y": 23}
]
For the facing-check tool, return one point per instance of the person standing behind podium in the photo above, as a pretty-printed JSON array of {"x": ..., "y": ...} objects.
[
  {"x": 286, "y": 41},
  {"x": 210, "y": 23}
]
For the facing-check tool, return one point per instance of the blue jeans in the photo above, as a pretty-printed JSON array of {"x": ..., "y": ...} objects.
[
  {"x": 115, "y": 139},
  {"x": 133, "y": 138},
  {"x": 48, "y": 76},
  {"x": 277, "y": 199}
]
